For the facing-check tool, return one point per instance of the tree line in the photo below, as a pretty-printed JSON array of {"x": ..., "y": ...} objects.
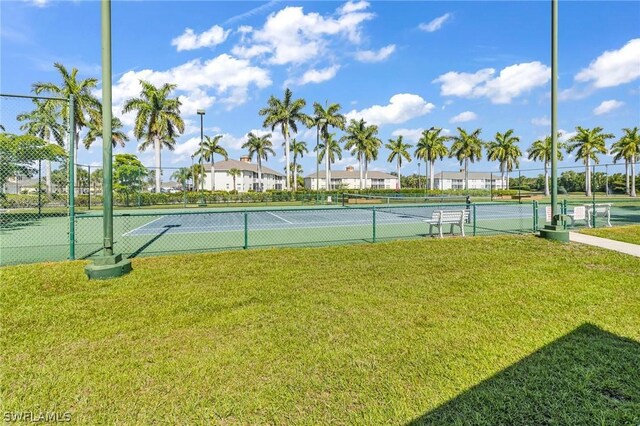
[{"x": 158, "y": 123}]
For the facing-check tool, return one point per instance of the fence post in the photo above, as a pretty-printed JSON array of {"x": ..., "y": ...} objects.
[
  {"x": 475, "y": 217},
  {"x": 535, "y": 216},
  {"x": 374, "y": 224},
  {"x": 246, "y": 230},
  {"x": 39, "y": 189},
  {"x": 593, "y": 212},
  {"x": 564, "y": 206},
  {"x": 89, "y": 180},
  {"x": 491, "y": 186},
  {"x": 72, "y": 178}
]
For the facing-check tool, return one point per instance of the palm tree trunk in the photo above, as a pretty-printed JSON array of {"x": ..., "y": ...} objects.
[
  {"x": 156, "y": 146},
  {"x": 546, "y": 179},
  {"x": 503, "y": 182},
  {"x": 75, "y": 162},
  {"x": 466, "y": 174},
  {"x": 366, "y": 173},
  {"x": 626, "y": 174},
  {"x": 587, "y": 178},
  {"x": 213, "y": 176},
  {"x": 360, "y": 167},
  {"x": 633, "y": 178},
  {"x": 260, "y": 186},
  {"x": 286, "y": 156},
  {"x": 399, "y": 185},
  {"x": 431, "y": 178},
  {"x": 295, "y": 172},
  {"x": 326, "y": 160}
]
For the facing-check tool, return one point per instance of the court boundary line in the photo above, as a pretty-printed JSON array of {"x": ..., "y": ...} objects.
[
  {"x": 281, "y": 218},
  {"x": 142, "y": 226}
]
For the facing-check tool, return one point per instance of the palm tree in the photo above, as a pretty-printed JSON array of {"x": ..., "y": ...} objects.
[
  {"x": 285, "y": 113},
  {"x": 43, "y": 123},
  {"x": 588, "y": 143},
  {"x": 209, "y": 147},
  {"x": 182, "y": 175},
  {"x": 540, "y": 150},
  {"x": 398, "y": 151},
  {"x": 197, "y": 173},
  {"x": 118, "y": 137},
  {"x": 261, "y": 146},
  {"x": 158, "y": 120},
  {"x": 361, "y": 141},
  {"x": 431, "y": 147},
  {"x": 233, "y": 172},
  {"x": 326, "y": 117},
  {"x": 466, "y": 147},
  {"x": 85, "y": 103},
  {"x": 335, "y": 150},
  {"x": 298, "y": 148},
  {"x": 506, "y": 152},
  {"x": 628, "y": 148}
]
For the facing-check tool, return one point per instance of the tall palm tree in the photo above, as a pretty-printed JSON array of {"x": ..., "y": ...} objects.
[
  {"x": 182, "y": 175},
  {"x": 628, "y": 148},
  {"x": 505, "y": 151},
  {"x": 540, "y": 150},
  {"x": 197, "y": 173},
  {"x": 234, "y": 173},
  {"x": 285, "y": 113},
  {"x": 467, "y": 147},
  {"x": 335, "y": 150},
  {"x": 360, "y": 140},
  {"x": 44, "y": 123},
  {"x": 588, "y": 143},
  {"x": 398, "y": 151},
  {"x": 85, "y": 103},
  {"x": 118, "y": 137},
  {"x": 298, "y": 148},
  {"x": 261, "y": 147},
  {"x": 209, "y": 147},
  {"x": 326, "y": 117},
  {"x": 158, "y": 120},
  {"x": 430, "y": 147}
]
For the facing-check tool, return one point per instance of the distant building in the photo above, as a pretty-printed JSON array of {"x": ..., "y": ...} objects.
[
  {"x": 248, "y": 179},
  {"x": 477, "y": 180},
  {"x": 350, "y": 179},
  {"x": 20, "y": 185}
]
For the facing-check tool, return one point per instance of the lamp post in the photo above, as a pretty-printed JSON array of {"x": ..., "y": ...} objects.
[
  {"x": 202, "y": 200},
  {"x": 320, "y": 122},
  {"x": 419, "y": 175}
]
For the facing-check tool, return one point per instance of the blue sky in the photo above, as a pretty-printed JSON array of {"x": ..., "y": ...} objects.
[{"x": 405, "y": 66}]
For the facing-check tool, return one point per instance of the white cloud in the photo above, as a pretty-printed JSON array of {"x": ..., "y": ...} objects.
[
  {"x": 185, "y": 150},
  {"x": 401, "y": 107},
  {"x": 410, "y": 134},
  {"x": 436, "y": 24},
  {"x": 511, "y": 82},
  {"x": 464, "y": 116},
  {"x": 541, "y": 121},
  {"x": 38, "y": 3},
  {"x": 613, "y": 67},
  {"x": 291, "y": 36},
  {"x": 190, "y": 40},
  {"x": 375, "y": 56},
  {"x": 316, "y": 76},
  {"x": 607, "y": 106},
  {"x": 566, "y": 135}
]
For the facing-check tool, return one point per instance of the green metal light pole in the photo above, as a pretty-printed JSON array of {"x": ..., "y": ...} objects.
[
  {"x": 108, "y": 265},
  {"x": 203, "y": 203},
  {"x": 556, "y": 230}
]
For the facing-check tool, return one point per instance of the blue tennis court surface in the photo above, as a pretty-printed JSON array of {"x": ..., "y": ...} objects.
[{"x": 301, "y": 219}]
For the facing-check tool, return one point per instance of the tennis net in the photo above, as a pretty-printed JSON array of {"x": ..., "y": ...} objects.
[{"x": 398, "y": 200}]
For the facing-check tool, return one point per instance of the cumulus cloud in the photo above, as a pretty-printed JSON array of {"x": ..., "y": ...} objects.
[
  {"x": 541, "y": 121},
  {"x": 189, "y": 40},
  {"x": 375, "y": 56},
  {"x": 291, "y": 36},
  {"x": 607, "y": 106},
  {"x": 613, "y": 67},
  {"x": 436, "y": 24},
  {"x": 401, "y": 107},
  {"x": 511, "y": 82},
  {"x": 464, "y": 116},
  {"x": 316, "y": 76}
]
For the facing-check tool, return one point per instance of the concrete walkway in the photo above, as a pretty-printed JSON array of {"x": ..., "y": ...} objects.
[{"x": 619, "y": 246}]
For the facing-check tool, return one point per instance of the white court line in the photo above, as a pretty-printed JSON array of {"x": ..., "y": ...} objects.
[
  {"x": 142, "y": 226},
  {"x": 281, "y": 218}
]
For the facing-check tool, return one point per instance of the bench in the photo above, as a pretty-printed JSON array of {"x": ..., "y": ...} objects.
[
  {"x": 440, "y": 218},
  {"x": 586, "y": 213}
]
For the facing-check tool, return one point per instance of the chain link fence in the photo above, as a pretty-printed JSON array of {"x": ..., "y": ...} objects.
[{"x": 34, "y": 179}]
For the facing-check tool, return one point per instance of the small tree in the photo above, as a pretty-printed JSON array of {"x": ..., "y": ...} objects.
[{"x": 128, "y": 175}]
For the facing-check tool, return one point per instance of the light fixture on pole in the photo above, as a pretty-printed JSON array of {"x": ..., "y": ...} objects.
[
  {"x": 202, "y": 200},
  {"x": 320, "y": 122}
]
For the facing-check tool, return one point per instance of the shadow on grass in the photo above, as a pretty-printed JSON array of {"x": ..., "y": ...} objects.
[
  {"x": 588, "y": 376},
  {"x": 143, "y": 247}
]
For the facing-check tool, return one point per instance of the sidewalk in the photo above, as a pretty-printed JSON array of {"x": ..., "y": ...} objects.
[{"x": 619, "y": 246}]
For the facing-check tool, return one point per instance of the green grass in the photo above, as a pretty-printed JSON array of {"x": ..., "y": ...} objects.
[
  {"x": 497, "y": 330},
  {"x": 627, "y": 234}
]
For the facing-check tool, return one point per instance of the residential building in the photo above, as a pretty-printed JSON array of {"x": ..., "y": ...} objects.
[
  {"x": 477, "y": 180},
  {"x": 350, "y": 179},
  {"x": 248, "y": 179}
]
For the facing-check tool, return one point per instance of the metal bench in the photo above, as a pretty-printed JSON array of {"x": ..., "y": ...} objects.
[
  {"x": 586, "y": 213},
  {"x": 440, "y": 218}
]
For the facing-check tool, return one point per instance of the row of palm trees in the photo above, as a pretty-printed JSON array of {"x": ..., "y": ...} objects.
[{"x": 158, "y": 123}]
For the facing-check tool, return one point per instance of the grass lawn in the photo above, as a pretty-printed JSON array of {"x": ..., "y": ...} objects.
[
  {"x": 628, "y": 234},
  {"x": 496, "y": 330}
]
